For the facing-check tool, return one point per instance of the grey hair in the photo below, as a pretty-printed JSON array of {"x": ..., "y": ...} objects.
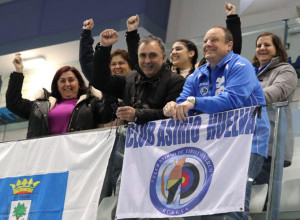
[{"x": 149, "y": 38}]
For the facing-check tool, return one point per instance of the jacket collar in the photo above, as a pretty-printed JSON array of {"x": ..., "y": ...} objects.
[
  {"x": 272, "y": 64},
  {"x": 142, "y": 77},
  {"x": 224, "y": 61},
  {"x": 221, "y": 64},
  {"x": 43, "y": 94}
]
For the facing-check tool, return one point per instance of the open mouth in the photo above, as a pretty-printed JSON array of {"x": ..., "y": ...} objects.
[
  {"x": 175, "y": 58},
  {"x": 118, "y": 72},
  {"x": 148, "y": 66},
  {"x": 208, "y": 52}
]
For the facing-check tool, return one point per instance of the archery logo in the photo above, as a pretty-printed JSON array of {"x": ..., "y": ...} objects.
[{"x": 180, "y": 180}]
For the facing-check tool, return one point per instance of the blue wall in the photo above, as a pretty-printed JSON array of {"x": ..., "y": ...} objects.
[{"x": 28, "y": 24}]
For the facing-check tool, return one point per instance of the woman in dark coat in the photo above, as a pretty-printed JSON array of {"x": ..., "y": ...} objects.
[{"x": 71, "y": 106}]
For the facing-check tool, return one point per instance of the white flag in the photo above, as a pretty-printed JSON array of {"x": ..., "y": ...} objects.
[
  {"x": 199, "y": 167},
  {"x": 58, "y": 177}
]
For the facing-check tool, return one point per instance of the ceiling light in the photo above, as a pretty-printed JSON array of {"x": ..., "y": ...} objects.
[{"x": 34, "y": 63}]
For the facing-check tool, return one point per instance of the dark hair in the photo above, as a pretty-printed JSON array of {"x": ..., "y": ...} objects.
[
  {"x": 149, "y": 38},
  {"x": 280, "y": 51},
  {"x": 123, "y": 53},
  {"x": 190, "y": 47},
  {"x": 54, "y": 88}
]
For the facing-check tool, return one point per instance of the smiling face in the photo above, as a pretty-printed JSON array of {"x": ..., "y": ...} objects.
[
  {"x": 68, "y": 85},
  {"x": 215, "y": 47},
  {"x": 265, "y": 50},
  {"x": 180, "y": 56},
  {"x": 119, "y": 66},
  {"x": 151, "y": 58}
]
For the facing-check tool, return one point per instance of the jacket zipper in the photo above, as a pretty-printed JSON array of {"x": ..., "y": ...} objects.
[
  {"x": 75, "y": 108},
  {"x": 210, "y": 85},
  {"x": 69, "y": 125}
]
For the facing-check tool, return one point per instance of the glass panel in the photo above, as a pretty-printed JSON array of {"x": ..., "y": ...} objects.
[
  {"x": 290, "y": 192},
  {"x": 250, "y": 34}
]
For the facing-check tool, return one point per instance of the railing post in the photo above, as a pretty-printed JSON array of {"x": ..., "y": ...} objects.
[
  {"x": 286, "y": 28},
  {"x": 278, "y": 150}
]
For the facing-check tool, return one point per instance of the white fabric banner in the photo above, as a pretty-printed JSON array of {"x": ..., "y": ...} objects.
[
  {"x": 58, "y": 177},
  {"x": 199, "y": 167}
]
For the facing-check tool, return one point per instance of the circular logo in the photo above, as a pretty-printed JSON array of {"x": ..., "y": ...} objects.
[
  {"x": 180, "y": 180},
  {"x": 203, "y": 90}
]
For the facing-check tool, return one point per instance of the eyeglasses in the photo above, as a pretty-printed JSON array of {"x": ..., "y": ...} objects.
[{"x": 120, "y": 63}]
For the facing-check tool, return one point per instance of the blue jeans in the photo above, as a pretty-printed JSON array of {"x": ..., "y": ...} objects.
[{"x": 255, "y": 165}]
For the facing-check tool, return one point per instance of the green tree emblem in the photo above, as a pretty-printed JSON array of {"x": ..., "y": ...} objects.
[{"x": 19, "y": 210}]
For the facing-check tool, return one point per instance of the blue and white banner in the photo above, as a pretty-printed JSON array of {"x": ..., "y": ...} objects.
[
  {"x": 54, "y": 178},
  {"x": 198, "y": 167}
]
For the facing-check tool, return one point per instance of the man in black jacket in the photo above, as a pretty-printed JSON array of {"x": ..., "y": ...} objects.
[{"x": 144, "y": 91}]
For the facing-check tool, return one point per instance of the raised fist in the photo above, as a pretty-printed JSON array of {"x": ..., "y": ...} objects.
[
  {"x": 230, "y": 8},
  {"x": 133, "y": 23},
  {"x": 88, "y": 24},
  {"x": 108, "y": 37},
  {"x": 18, "y": 63}
]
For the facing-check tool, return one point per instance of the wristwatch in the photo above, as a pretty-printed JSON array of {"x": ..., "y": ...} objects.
[{"x": 192, "y": 99}]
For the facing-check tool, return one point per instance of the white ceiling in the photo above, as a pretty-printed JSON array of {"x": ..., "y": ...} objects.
[
  {"x": 249, "y": 7},
  {"x": 59, "y": 54}
]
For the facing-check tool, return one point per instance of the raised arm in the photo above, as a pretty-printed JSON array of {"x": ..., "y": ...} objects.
[
  {"x": 132, "y": 39},
  {"x": 18, "y": 63},
  {"x": 14, "y": 100},
  {"x": 233, "y": 23},
  {"x": 86, "y": 52},
  {"x": 102, "y": 78}
]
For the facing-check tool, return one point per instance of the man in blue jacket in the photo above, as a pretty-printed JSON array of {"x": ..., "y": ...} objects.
[{"x": 227, "y": 81}]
